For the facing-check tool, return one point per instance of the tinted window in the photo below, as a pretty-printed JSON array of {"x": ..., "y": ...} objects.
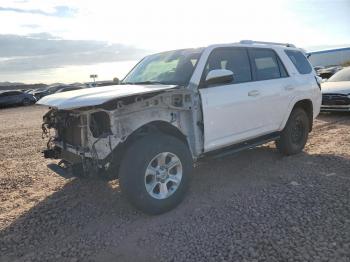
[
  {"x": 265, "y": 64},
  {"x": 299, "y": 60},
  {"x": 234, "y": 59}
]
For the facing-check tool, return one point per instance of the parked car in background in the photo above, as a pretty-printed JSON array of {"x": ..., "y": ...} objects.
[
  {"x": 41, "y": 92},
  {"x": 10, "y": 98},
  {"x": 327, "y": 72},
  {"x": 68, "y": 88},
  {"x": 336, "y": 92}
]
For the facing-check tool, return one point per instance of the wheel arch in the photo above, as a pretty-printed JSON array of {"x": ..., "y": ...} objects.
[
  {"x": 305, "y": 104},
  {"x": 160, "y": 126}
]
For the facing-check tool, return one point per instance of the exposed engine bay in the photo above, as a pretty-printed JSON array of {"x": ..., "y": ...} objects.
[{"x": 92, "y": 139}]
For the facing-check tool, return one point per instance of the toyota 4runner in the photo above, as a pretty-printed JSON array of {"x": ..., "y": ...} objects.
[{"x": 177, "y": 107}]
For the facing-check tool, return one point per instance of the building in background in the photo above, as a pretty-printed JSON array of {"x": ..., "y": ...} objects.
[{"x": 331, "y": 57}]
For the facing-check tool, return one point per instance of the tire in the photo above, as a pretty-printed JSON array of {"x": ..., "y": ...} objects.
[
  {"x": 294, "y": 136},
  {"x": 143, "y": 189},
  {"x": 26, "y": 102}
]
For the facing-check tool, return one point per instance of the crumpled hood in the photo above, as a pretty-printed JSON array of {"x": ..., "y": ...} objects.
[
  {"x": 342, "y": 87},
  {"x": 97, "y": 95}
]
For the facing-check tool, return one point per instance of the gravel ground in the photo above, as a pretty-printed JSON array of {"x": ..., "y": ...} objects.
[{"x": 253, "y": 206}]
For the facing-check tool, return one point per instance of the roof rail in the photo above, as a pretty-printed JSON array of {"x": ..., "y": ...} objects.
[{"x": 250, "y": 42}]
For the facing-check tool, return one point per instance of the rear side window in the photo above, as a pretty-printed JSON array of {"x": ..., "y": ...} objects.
[
  {"x": 234, "y": 59},
  {"x": 299, "y": 60},
  {"x": 266, "y": 65}
]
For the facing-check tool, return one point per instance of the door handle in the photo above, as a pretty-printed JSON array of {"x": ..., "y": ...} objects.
[
  {"x": 289, "y": 88},
  {"x": 253, "y": 93}
]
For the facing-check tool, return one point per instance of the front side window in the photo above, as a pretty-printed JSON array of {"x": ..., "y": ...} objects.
[
  {"x": 233, "y": 59},
  {"x": 299, "y": 60},
  {"x": 265, "y": 64},
  {"x": 174, "y": 67}
]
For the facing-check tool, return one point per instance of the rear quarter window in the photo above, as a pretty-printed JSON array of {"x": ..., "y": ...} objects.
[{"x": 299, "y": 60}]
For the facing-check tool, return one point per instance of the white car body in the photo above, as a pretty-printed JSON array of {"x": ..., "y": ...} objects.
[
  {"x": 252, "y": 106},
  {"x": 209, "y": 118}
]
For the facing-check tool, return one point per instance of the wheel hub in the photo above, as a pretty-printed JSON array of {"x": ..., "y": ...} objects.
[{"x": 163, "y": 175}]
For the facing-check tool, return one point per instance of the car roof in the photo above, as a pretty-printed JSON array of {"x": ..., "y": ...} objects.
[{"x": 257, "y": 45}]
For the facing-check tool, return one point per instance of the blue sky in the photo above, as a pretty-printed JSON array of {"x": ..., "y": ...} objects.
[{"x": 84, "y": 32}]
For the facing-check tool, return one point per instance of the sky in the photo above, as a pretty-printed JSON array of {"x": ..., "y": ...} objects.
[{"x": 67, "y": 40}]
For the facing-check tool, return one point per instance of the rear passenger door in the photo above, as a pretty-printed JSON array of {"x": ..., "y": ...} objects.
[{"x": 273, "y": 85}]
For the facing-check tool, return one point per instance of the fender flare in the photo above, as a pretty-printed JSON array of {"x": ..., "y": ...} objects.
[{"x": 291, "y": 107}]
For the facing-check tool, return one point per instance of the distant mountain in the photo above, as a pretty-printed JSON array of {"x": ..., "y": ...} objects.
[
  {"x": 15, "y": 86},
  {"x": 10, "y": 83}
]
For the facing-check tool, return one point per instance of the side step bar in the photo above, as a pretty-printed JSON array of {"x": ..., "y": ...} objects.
[{"x": 252, "y": 143}]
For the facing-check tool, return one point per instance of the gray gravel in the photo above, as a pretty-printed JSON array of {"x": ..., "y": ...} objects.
[{"x": 253, "y": 206}]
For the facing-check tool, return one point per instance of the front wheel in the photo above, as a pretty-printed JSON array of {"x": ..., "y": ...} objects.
[
  {"x": 294, "y": 136},
  {"x": 154, "y": 173}
]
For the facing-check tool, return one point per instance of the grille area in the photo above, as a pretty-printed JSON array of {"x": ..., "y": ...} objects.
[{"x": 335, "y": 99}]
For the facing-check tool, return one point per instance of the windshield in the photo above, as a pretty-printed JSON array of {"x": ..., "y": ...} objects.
[
  {"x": 342, "y": 75},
  {"x": 173, "y": 67}
]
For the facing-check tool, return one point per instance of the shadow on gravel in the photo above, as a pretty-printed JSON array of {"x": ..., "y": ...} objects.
[
  {"x": 74, "y": 221},
  {"x": 335, "y": 117},
  {"x": 90, "y": 219}
]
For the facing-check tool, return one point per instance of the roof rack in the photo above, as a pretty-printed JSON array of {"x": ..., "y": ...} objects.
[{"x": 250, "y": 42}]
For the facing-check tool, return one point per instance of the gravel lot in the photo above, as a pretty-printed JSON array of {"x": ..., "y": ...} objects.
[{"x": 253, "y": 206}]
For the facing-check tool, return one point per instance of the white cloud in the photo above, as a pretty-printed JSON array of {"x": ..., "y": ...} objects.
[
  {"x": 160, "y": 24},
  {"x": 168, "y": 24}
]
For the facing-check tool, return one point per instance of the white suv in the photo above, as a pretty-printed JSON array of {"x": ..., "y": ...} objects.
[{"x": 177, "y": 107}]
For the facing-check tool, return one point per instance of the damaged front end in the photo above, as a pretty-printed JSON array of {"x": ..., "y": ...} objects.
[
  {"x": 89, "y": 140},
  {"x": 69, "y": 141}
]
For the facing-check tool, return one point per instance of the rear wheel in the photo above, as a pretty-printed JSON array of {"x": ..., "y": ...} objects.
[
  {"x": 154, "y": 173},
  {"x": 294, "y": 136}
]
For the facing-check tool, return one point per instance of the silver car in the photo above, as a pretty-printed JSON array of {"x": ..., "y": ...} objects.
[{"x": 336, "y": 92}]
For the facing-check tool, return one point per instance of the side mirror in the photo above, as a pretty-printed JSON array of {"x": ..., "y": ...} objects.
[
  {"x": 219, "y": 76},
  {"x": 116, "y": 81}
]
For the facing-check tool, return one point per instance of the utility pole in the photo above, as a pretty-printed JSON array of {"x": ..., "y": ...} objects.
[{"x": 94, "y": 77}]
